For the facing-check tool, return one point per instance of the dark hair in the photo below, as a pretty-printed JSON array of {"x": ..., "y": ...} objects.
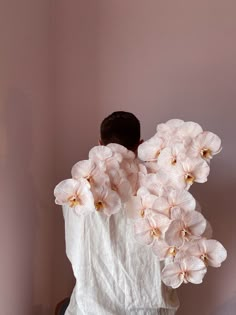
[{"x": 122, "y": 128}]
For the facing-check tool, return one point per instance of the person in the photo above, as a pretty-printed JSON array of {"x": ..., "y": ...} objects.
[
  {"x": 114, "y": 274},
  {"x": 122, "y": 128}
]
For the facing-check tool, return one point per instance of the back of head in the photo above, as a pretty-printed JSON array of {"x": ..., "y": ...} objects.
[{"x": 122, "y": 128}]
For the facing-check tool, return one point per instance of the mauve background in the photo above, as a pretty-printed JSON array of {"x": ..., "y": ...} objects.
[{"x": 67, "y": 64}]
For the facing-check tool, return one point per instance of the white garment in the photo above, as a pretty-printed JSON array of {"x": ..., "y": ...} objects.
[{"x": 114, "y": 274}]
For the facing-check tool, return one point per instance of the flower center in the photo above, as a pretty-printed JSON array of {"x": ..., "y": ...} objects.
[
  {"x": 155, "y": 232},
  {"x": 142, "y": 213},
  {"x": 189, "y": 178},
  {"x": 182, "y": 275},
  {"x": 99, "y": 205},
  {"x": 173, "y": 160},
  {"x": 157, "y": 154},
  {"x": 204, "y": 258},
  {"x": 114, "y": 187},
  {"x": 73, "y": 201},
  {"x": 185, "y": 234},
  {"x": 206, "y": 153},
  {"x": 89, "y": 179},
  {"x": 172, "y": 251}
]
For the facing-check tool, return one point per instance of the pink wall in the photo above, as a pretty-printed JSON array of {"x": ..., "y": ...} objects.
[
  {"x": 67, "y": 64},
  {"x": 76, "y": 114},
  {"x": 159, "y": 59},
  {"x": 26, "y": 164}
]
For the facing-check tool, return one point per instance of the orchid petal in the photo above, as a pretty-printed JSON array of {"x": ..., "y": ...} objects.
[
  {"x": 195, "y": 268},
  {"x": 171, "y": 275},
  {"x": 173, "y": 234}
]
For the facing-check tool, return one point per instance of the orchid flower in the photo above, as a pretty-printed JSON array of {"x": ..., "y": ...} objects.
[
  {"x": 205, "y": 145},
  {"x": 188, "y": 172},
  {"x": 150, "y": 228},
  {"x": 138, "y": 206},
  {"x": 170, "y": 125},
  {"x": 128, "y": 164},
  {"x": 125, "y": 153},
  {"x": 169, "y": 129},
  {"x": 188, "y": 131},
  {"x": 174, "y": 198},
  {"x": 211, "y": 252},
  {"x": 170, "y": 156},
  {"x": 153, "y": 183},
  {"x": 106, "y": 200},
  {"x": 89, "y": 170},
  {"x": 103, "y": 156},
  {"x": 152, "y": 166},
  {"x": 164, "y": 251},
  {"x": 120, "y": 184},
  {"x": 189, "y": 269},
  {"x": 100, "y": 152},
  {"x": 186, "y": 226},
  {"x": 149, "y": 150},
  {"x": 76, "y": 194},
  {"x": 131, "y": 169}
]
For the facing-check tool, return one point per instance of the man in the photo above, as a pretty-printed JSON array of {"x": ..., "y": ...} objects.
[
  {"x": 114, "y": 274},
  {"x": 122, "y": 128}
]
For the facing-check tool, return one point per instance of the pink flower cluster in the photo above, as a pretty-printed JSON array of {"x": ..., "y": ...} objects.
[
  {"x": 155, "y": 194},
  {"x": 102, "y": 183},
  {"x": 164, "y": 211}
]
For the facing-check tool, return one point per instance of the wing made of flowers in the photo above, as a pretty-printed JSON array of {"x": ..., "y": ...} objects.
[{"x": 155, "y": 194}]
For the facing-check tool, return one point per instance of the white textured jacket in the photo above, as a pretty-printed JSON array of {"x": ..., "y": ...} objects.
[{"x": 114, "y": 274}]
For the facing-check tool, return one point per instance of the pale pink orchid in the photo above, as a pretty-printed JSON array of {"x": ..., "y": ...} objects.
[
  {"x": 170, "y": 157},
  {"x": 125, "y": 153},
  {"x": 189, "y": 171},
  {"x": 106, "y": 200},
  {"x": 76, "y": 194},
  {"x": 189, "y": 269},
  {"x": 133, "y": 180},
  {"x": 120, "y": 184},
  {"x": 164, "y": 251},
  {"x": 124, "y": 172},
  {"x": 131, "y": 169},
  {"x": 89, "y": 170},
  {"x": 103, "y": 156},
  {"x": 138, "y": 206},
  {"x": 174, "y": 198},
  {"x": 174, "y": 123},
  {"x": 152, "y": 167},
  {"x": 211, "y": 252},
  {"x": 128, "y": 164},
  {"x": 182, "y": 251},
  {"x": 186, "y": 226},
  {"x": 153, "y": 183},
  {"x": 100, "y": 152},
  {"x": 149, "y": 150},
  {"x": 151, "y": 228},
  {"x": 171, "y": 124},
  {"x": 142, "y": 169},
  {"x": 188, "y": 131},
  {"x": 168, "y": 130},
  {"x": 205, "y": 145}
]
